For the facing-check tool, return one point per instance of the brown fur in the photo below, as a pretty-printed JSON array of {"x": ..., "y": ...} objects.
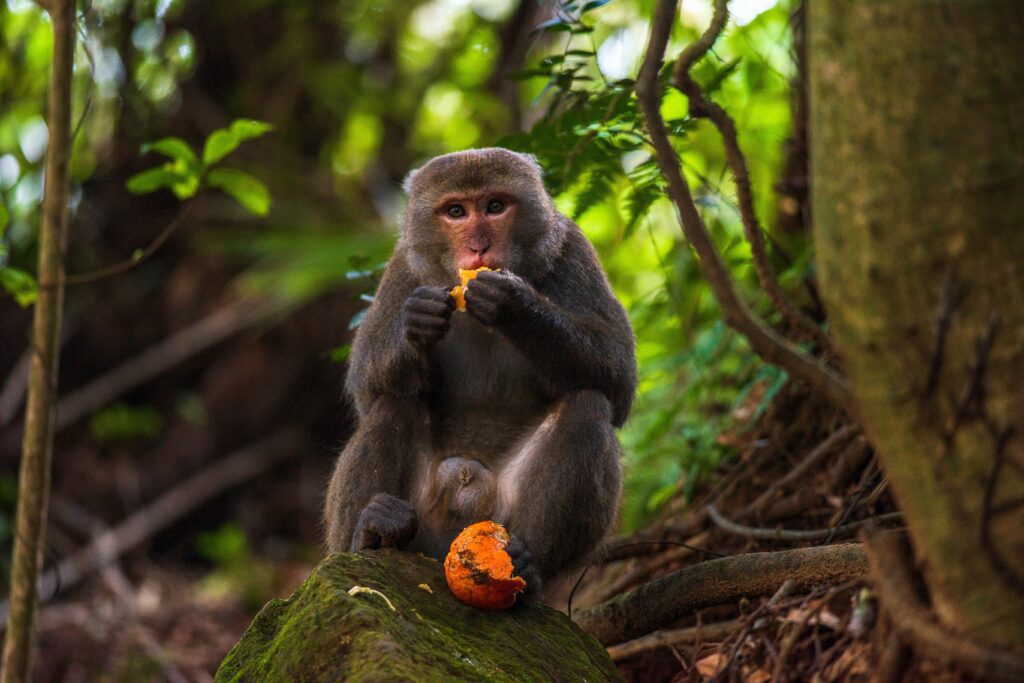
[{"x": 524, "y": 390}]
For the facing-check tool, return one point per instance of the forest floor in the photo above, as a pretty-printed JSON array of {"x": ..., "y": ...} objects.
[{"x": 802, "y": 478}]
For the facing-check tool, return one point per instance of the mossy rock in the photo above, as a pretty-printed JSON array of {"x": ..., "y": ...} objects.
[{"x": 322, "y": 633}]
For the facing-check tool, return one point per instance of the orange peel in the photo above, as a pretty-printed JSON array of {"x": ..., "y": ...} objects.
[{"x": 479, "y": 570}]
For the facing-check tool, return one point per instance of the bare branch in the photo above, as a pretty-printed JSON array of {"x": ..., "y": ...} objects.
[
  {"x": 767, "y": 343},
  {"x": 138, "y": 257},
  {"x": 163, "y": 356},
  {"x": 667, "y": 598},
  {"x": 762, "y": 534},
  {"x": 806, "y": 465},
  {"x": 678, "y": 636},
  {"x": 702, "y": 107},
  {"x": 235, "y": 469}
]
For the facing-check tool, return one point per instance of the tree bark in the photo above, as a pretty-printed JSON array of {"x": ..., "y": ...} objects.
[
  {"x": 667, "y": 598},
  {"x": 37, "y": 449},
  {"x": 917, "y": 122}
]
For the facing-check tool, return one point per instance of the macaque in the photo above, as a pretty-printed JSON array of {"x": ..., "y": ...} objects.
[{"x": 506, "y": 411}]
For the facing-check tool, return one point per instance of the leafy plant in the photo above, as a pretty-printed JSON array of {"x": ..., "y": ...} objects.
[
  {"x": 187, "y": 173},
  {"x": 16, "y": 282}
]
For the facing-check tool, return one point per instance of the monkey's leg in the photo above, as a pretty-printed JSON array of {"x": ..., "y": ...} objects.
[
  {"x": 375, "y": 473},
  {"x": 560, "y": 490}
]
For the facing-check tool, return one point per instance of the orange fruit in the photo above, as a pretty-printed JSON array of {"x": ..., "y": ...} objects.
[
  {"x": 459, "y": 291},
  {"x": 479, "y": 571}
]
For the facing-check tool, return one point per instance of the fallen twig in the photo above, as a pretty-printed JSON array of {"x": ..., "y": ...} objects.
[
  {"x": 912, "y": 619},
  {"x": 236, "y": 468},
  {"x": 159, "y": 358},
  {"x": 715, "y": 582},
  {"x": 806, "y": 465},
  {"x": 677, "y": 636},
  {"x": 762, "y": 534}
]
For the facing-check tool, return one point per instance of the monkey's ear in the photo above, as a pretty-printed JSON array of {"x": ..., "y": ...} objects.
[{"x": 407, "y": 183}]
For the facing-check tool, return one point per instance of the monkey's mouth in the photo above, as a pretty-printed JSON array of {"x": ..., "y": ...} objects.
[{"x": 479, "y": 261}]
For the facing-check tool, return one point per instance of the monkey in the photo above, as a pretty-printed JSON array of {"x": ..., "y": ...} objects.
[{"x": 523, "y": 391}]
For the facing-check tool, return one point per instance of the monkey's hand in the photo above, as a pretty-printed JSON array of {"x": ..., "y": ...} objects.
[
  {"x": 386, "y": 522},
  {"x": 494, "y": 297},
  {"x": 427, "y": 314},
  {"x": 523, "y": 566}
]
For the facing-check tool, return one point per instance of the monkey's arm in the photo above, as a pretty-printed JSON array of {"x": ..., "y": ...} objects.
[
  {"x": 570, "y": 325},
  {"x": 389, "y": 354}
]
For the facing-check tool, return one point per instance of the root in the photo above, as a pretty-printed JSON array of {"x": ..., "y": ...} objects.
[
  {"x": 912, "y": 619},
  {"x": 667, "y": 598}
]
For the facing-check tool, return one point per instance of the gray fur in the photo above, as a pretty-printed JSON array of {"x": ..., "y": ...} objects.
[{"x": 529, "y": 384}]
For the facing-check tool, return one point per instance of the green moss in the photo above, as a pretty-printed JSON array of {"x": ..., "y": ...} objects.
[{"x": 322, "y": 633}]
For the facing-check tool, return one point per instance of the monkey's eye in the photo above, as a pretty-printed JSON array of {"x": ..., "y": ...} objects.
[
  {"x": 495, "y": 206},
  {"x": 455, "y": 210}
]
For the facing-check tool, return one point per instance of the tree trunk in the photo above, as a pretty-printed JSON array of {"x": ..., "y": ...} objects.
[
  {"x": 37, "y": 449},
  {"x": 917, "y": 158}
]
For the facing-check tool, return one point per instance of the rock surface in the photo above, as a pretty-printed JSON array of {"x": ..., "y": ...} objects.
[{"x": 324, "y": 633}]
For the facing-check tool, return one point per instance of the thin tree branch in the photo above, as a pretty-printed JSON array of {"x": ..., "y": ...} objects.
[
  {"x": 762, "y": 534},
  {"x": 767, "y": 343},
  {"x": 13, "y": 392},
  {"x": 139, "y": 256},
  {"x": 702, "y": 107},
  {"x": 37, "y": 448},
  {"x": 667, "y": 598},
  {"x": 806, "y": 465},
  {"x": 159, "y": 358},
  {"x": 235, "y": 469},
  {"x": 678, "y": 636}
]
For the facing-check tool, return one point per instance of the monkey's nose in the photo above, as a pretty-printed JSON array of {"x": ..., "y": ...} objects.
[{"x": 479, "y": 245}]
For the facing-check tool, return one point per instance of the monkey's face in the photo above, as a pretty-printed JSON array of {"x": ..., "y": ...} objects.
[
  {"x": 481, "y": 207},
  {"x": 477, "y": 226}
]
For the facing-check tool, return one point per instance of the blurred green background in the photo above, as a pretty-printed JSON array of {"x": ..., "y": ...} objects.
[{"x": 357, "y": 93}]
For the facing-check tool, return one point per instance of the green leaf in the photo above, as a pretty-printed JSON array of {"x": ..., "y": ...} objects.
[
  {"x": 19, "y": 284},
  {"x": 224, "y": 141},
  {"x": 594, "y": 4},
  {"x": 551, "y": 24},
  {"x": 341, "y": 353},
  {"x": 248, "y": 191},
  {"x": 598, "y": 188},
  {"x": 157, "y": 178},
  {"x": 175, "y": 148}
]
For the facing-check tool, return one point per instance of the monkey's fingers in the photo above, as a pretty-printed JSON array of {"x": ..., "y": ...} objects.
[
  {"x": 524, "y": 567},
  {"x": 495, "y": 276},
  {"x": 424, "y": 293},
  {"x": 483, "y": 310},
  {"x": 424, "y": 330},
  {"x": 440, "y": 309},
  {"x": 485, "y": 302},
  {"x": 386, "y": 522}
]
